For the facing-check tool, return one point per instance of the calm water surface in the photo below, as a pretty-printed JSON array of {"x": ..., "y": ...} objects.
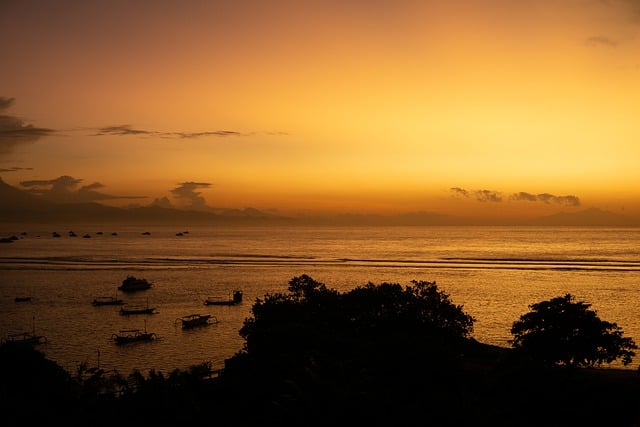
[{"x": 495, "y": 273}]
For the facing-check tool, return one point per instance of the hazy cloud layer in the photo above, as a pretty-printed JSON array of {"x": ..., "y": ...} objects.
[
  {"x": 14, "y": 131},
  {"x": 496, "y": 196},
  {"x": 126, "y": 130},
  {"x": 186, "y": 192},
  {"x": 64, "y": 189}
]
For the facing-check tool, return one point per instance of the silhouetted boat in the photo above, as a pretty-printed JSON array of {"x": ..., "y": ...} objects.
[
  {"x": 128, "y": 336},
  {"x": 137, "y": 309},
  {"x": 25, "y": 338},
  {"x": 133, "y": 284},
  {"x": 193, "y": 320},
  {"x": 236, "y": 298},
  {"x": 107, "y": 301}
]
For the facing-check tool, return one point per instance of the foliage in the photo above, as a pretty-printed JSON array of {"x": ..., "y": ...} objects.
[
  {"x": 313, "y": 319},
  {"x": 562, "y": 331}
]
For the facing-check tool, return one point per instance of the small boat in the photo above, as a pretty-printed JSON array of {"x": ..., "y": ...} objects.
[
  {"x": 133, "y": 284},
  {"x": 193, "y": 320},
  {"x": 236, "y": 298},
  {"x": 137, "y": 309},
  {"x": 107, "y": 301},
  {"x": 22, "y": 299},
  {"x": 128, "y": 336},
  {"x": 25, "y": 338}
]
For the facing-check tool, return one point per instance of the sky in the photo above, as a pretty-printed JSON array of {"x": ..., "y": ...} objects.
[{"x": 491, "y": 108}]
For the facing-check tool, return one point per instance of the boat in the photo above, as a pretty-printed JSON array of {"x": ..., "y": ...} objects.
[
  {"x": 25, "y": 338},
  {"x": 133, "y": 284},
  {"x": 137, "y": 309},
  {"x": 97, "y": 301},
  {"x": 235, "y": 298},
  {"x": 30, "y": 338},
  {"x": 193, "y": 320},
  {"x": 128, "y": 336}
]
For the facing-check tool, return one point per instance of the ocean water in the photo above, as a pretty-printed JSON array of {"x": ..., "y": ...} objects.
[{"x": 495, "y": 273}]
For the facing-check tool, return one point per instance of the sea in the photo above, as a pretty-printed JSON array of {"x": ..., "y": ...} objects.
[{"x": 493, "y": 273}]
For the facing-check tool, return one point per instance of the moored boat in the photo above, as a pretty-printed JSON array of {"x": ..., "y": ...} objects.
[
  {"x": 137, "y": 309},
  {"x": 106, "y": 300},
  {"x": 128, "y": 336},
  {"x": 193, "y": 320},
  {"x": 235, "y": 298},
  {"x": 25, "y": 338},
  {"x": 133, "y": 284}
]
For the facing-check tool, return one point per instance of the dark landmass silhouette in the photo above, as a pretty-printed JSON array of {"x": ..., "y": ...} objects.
[{"x": 19, "y": 206}]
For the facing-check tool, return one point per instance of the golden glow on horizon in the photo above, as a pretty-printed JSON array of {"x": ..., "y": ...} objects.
[{"x": 335, "y": 107}]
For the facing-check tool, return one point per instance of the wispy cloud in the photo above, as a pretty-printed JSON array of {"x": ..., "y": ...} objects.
[
  {"x": 479, "y": 195},
  {"x": 569, "y": 200},
  {"x": 187, "y": 192},
  {"x": 488, "y": 196},
  {"x": 459, "y": 192},
  {"x": 14, "y": 131},
  {"x": 496, "y": 196},
  {"x": 15, "y": 169},
  {"x": 67, "y": 189},
  {"x": 601, "y": 41},
  {"x": 128, "y": 130}
]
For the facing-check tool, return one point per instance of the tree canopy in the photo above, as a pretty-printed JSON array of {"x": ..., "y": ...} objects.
[
  {"x": 370, "y": 322},
  {"x": 562, "y": 331}
]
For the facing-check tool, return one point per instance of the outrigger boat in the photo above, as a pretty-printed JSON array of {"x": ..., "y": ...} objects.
[
  {"x": 25, "y": 338},
  {"x": 137, "y": 309},
  {"x": 193, "y": 320},
  {"x": 235, "y": 299},
  {"x": 128, "y": 336},
  {"x": 107, "y": 301}
]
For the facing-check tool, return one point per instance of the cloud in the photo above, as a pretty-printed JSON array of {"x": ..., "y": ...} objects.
[
  {"x": 127, "y": 130},
  {"x": 121, "y": 130},
  {"x": 14, "y": 131},
  {"x": 186, "y": 192},
  {"x": 163, "y": 202},
  {"x": 569, "y": 200},
  {"x": 63, "y": 190},
  {"x": 488, "y": 196},
  {"x": 480, "y": 195},
  {"x": 601, "y": 41},
  {"x": 496, "y": 196},
  {"x": 15, "y": 169},
  {"x": 459, "y": 192}
]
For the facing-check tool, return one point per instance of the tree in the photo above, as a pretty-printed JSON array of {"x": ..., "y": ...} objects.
[{"x": 562, "y": 331}]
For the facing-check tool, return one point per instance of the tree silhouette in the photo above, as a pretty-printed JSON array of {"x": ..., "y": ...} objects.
[{"x": 562, "y": 331}]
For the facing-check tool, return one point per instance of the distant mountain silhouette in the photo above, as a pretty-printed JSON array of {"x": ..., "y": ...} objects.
[
  {"x": 589, "y": 217},
  {"x": 20, "y": 206}
]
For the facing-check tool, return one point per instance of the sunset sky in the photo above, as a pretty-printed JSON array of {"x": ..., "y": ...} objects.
[{"x": 490, "y": 107}]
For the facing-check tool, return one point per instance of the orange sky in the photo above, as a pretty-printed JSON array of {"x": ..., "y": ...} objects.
[{"x": 492, "y": 107}]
